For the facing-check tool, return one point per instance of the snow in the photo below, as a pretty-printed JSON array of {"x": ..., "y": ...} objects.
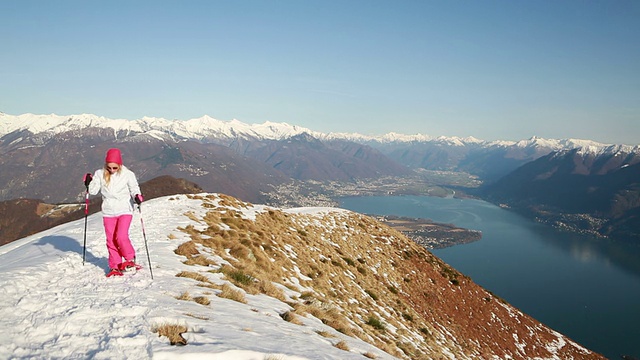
[
  {"x": 197, "y": 128},
  {"x": 208, "y": 127},
  {"x": 609, "y": 150},
  {"x": 54, "y": 307}
]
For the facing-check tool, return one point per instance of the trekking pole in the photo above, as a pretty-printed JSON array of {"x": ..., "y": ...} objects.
[
  {"x": 145, "y": 241},
  {"x": 86, "y": 214}
]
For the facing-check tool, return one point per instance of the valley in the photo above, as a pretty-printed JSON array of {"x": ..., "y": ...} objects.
[
  {"x": 326, "y": 193},
  {"x": 430, "y": 234}
]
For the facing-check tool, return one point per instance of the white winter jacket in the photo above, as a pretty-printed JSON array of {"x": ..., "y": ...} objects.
[{"x": 117, "y": 196}]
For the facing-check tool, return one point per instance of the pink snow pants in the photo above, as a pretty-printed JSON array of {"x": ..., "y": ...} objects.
[{"x": 117, "y": 230}]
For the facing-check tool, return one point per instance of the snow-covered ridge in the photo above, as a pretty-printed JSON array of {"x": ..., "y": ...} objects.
[
  {"x": 49, "y": 295},
  {"x": 595, "y": 150},
  {"x": 49, "y": 292},
  {"x": 549, "y": 143},
  {"x": 206, "y": 127},
  {"x": 198, "y": 128}
]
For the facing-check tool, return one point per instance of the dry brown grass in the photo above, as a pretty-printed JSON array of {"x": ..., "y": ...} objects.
[
  {"x": 342, "y": 345},
  {"x": 193, "y": 275},
  {"x": 232, "y": 294},
  {"x": 184, "y": 296},
  {"x": 199, "y": 317},
  {"x": 192, "y": 216},
  {"x": 190, "y": 230},
  {"x": 210, "y": 286},
  {"x": 341, "y": 260},
  {"x": 187, "y": 249},
  {"x": 291, "y": 317},
  {"x": 324, "y": 333},
  {"x": 201, "y": 260},
  {"x": 172, "y": 331},
  {"x": 202, "y": 300},
  {"x": 268, "y": 288},
  {"x": 332, "y": 318}
]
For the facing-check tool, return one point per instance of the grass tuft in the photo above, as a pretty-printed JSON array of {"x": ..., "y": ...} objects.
[
  {"x": 172, "y": 331},
  {"x": 238, "y": 277},
  {"x": 193, "y": 275},
  {"x": 230, "y": 293},
  {"x": 372, "y": 294},
  {"x": 290, "y": 317},
  {"x": 325, "y": 334},
  {"x": 202, "y": 300},
  {"x": 187, "y": 249},
  {"x": 184, "y": 296},
  {"x": 375, "y": 322}
]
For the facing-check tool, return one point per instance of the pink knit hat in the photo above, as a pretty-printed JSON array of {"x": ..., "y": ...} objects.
[{"x": 113, "y": 156}]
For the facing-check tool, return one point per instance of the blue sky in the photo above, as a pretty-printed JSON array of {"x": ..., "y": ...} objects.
[{"x": 496, "y": 70}]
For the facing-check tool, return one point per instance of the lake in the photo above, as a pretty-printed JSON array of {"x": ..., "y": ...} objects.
[{"x": 583, "y": 287}]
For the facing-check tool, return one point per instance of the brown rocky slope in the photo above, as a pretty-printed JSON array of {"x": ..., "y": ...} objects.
[{"x": 366, "y": 280}]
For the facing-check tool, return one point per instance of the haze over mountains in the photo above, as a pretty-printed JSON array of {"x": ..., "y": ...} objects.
[{"x": 41, "y": 152}]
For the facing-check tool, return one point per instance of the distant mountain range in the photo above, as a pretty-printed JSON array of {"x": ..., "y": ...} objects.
[
  {"x": 488, "y": 159},
  {"x": 208, "y": 129},
  {"x": 45, "y": 156}
]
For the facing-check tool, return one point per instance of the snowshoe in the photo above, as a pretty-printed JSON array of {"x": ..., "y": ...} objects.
[
  {"x": 129, "y": 267},
  {"x": 114, "y": 272}
]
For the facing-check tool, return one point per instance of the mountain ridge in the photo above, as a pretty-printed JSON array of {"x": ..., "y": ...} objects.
[
  {"x": 584, "y": 190},
  {"x": 252, "y": 161},
  {"x": 216, "y": 155},
  {"x": 200, "y": 128},
  {"x": 321, "y": 281}
]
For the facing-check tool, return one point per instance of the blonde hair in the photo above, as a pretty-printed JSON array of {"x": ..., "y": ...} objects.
[{"x": 107, "y": 173}]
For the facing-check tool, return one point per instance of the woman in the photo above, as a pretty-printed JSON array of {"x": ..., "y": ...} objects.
[{"x": 118, "y": 185}]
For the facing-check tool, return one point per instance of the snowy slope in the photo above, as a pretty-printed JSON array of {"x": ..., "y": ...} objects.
[
  {"x": 53, "y": 307},
  {"x": 322, "y": 283}
]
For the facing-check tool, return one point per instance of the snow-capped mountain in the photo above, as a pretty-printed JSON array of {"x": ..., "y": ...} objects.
[
  {"x": 233, "y": 280},
  {"x": 198, "y": 128},
  {"x": 40, "y": 152},
  {"x": 232, "y": 157},
  {"x": 335, "y": 156},
  {"x": 589, "y": 189},
  {"x": 207, "y": 127}
]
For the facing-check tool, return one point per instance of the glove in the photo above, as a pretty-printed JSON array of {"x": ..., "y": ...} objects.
[
  {"x": 138, "y": 198},
  {"x": 87, "y": 179}
]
